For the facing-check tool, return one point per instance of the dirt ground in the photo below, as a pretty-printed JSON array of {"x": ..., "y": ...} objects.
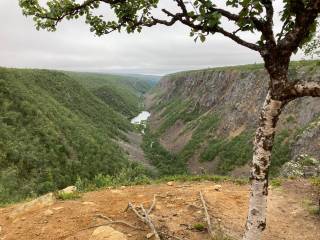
[{"x": 178, "y": 209}]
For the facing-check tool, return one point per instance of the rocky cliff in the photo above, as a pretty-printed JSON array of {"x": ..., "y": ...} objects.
[{"x": 208, "y": 117}]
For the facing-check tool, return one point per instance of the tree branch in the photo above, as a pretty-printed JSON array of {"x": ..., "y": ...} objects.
[
  {"x": 238, "y": 40},
  {"x": 305, "y": 18},
  {"x": 301, "y": 89}
]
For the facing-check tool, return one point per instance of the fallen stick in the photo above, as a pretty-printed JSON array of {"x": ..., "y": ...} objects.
[
  {"x": 146, "y": 219},
  {"x": 153, "y": 204},
  {"x": 118, "y": 222},
  {"x": 149, "y": 222},
  {"x": 207, "y": 215}
]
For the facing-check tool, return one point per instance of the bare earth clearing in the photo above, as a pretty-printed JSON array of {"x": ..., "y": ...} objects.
[{"x": 178, "y": 209}]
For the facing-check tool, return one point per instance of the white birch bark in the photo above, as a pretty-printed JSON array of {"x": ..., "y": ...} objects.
[{"x": 263, "y": 143}]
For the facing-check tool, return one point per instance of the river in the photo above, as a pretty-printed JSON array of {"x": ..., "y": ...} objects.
[{"x": 142, "y": 117}]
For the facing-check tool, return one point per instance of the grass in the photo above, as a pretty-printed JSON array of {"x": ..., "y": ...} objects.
[
  {"x": 276, "y": 182},
  {"x": 199, "y": 227},
  {"x": 68, "y": 196},
  {"x": 312, "y": 64},
  {"x": 311, "y": 207}
]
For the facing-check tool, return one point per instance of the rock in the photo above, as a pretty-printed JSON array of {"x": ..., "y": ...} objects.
[
  {"x": 48, "y": 212},
  {"x": 129, "y": 235},
  {"x": 107, "y": 233},
  {"x": 68, "y": 190},
  {"x": 170, "y": 184},
  {"x": 123, "y": 187},
  {"x": 149, "y": 235},
  {"x": 217, "y": 187},
  {"x": 43, "y": 201}
]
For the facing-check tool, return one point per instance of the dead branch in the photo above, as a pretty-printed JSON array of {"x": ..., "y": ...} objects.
[
  {"x": 153, "y": 204},
  {"x": 118, "y": 222},
  {"x": 149, "y": 222},
  {"x": 207, "y": 215},
  {"x": 146, "y": 219}
]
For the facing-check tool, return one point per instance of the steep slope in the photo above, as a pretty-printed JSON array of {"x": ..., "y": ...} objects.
[
  {"x": 207, "y": 118},
  {"x": 54, "y": 131},
  {"x": 122, "y": 93}
]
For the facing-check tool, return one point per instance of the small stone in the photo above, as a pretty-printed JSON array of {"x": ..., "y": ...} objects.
[
  {"x": 48, "y": 212},
  {"x": 149, "y": 235},
  {"x": 57, "y": 208},
  {"x": 129, "y": 235},
  {"x": 68, "y": 190},
  {"x": 217, "y": 188},
  {"x": 123, "y": 187},
  {"x": 170, "y": 184},
  {"x": 107, "y": 233}
]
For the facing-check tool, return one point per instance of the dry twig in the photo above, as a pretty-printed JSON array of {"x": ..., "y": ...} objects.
[
  {"x": 117, "y": 222},
  {"x": 146, "y": 219},
  {"x": 153, "y": 204},
  {"x": 207, "y": 215}
]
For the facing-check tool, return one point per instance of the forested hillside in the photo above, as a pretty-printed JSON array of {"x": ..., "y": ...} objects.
[
  {"x": 55, "y": 131},
  {"x": 206, "y": 120},
  {"x": 121, "y": 93}
]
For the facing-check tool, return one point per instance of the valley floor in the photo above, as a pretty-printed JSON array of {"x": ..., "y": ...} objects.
[{"x": 178, "y": 209}]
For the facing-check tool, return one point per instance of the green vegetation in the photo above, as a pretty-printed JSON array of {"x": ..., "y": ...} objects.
[
  {"x": 311, "y": 207},
  {"x": 68, "y": 196},
  {"x": 199, "y": 226},
  {"x": 309, "y": 64},
  {"x": 205, "y": 125},
  {"x": 230, "y": 153},
  {"x": 276, "y": 182},
  {"x": 134, "y": 174},
  {"x": 121, "y": 93},
  {"x": 166, "y": 162},
  {"x": 177, "y": 110},
  {"x": 280, "y": 152},
  {"x": 138, "y": 176},
  {"x": 53, "y": 131}
]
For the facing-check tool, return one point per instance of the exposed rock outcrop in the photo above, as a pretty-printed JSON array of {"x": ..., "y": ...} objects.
[
  {"x": 235, "y": 95},
  {"x": 40, "y": 202}
]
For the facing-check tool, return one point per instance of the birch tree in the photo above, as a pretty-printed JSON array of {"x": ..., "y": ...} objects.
[{"x": 204, "y": 18}]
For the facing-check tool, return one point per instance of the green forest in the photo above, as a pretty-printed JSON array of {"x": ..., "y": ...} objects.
[{"x": 57, "y": 127}]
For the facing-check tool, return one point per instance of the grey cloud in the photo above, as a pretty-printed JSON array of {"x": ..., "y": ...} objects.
[{"x": 159, "y": 50}]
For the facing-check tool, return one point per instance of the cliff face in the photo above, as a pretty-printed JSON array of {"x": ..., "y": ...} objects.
[{"x": 182, "y": 102}]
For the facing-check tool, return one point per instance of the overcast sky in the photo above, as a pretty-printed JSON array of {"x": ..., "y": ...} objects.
[{"x": 159, "y": 50}]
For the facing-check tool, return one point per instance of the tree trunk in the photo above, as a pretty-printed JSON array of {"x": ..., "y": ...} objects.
[{"x": 263, "y": 143}]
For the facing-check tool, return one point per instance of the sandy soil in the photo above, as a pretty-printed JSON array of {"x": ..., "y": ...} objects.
[{"x": 178, "y": 208}]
